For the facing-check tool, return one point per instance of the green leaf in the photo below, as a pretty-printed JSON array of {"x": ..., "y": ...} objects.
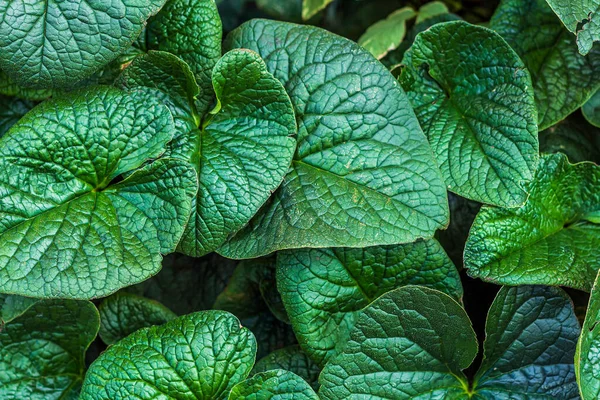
[
  {"x": 386, "y": 34},
  {"x": 430, "y": 10},
  {"x": 11, "y": 111},
  {"x": 363, "y": 173},
  {"x": 408, "y": 343},
  {"x": 12, "y": 306},
  {"x": 574, "y": 137},
  {"x": 186, "y": 284},
  {"x": 547, "y": 241},
  {"x": 480, "y": 118},
  {"x": 245, "y": 150},
  {"x": 582, "y": 19},
  {"x": 587, "y": 357},
  {"x": 311, "y": 7},
  {"x": 49, "y": 44},
  {"x": 591, "y": 110},
  {"x": 324, "y": 290},
  {"x": 275, "y": 384},
  {"x": 528, "y": 352},
  {"x": 191, "y": 30},
  {"x": 67, "y": 230},
  {"x": 293, "y": 359},
  {"x": 562, "y": 78},
  {"x": 42, "y": 350},
  {"x": 414, "y": 343},
  {"x": 201, "y": 355},
  {"x": 124, "y": 313}
]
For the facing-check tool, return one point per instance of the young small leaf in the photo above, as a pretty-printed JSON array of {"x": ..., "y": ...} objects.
[
  {"x": 549, "y": 240},
  {"x": 66, "y": 230},
  {"x": 324, "y": 290},
  {"x": 480, "y": 118},
  {"x": 386, "y": 34},
  {"x": 49, "y": 44},
  {"x": 42, "y": 350},
  {"x": 562, "y": 78},
  {"x": 124, "y": 313},
  {"x": 363, "y": 173},
  {"x": 201, "y": 355},
  {"x": 274, "y": 384},
  {"x": 311, "y": 7}
]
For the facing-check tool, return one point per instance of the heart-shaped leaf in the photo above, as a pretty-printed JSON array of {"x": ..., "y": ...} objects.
[
  {"x": 480, "y": 119},
  {"x": 363, "y": 173},
  {"x": 201, "y": 355},
  {"x": 551, "y": 240},
  {"x": 51, "y": 43},
  {"x": 67, "y": 230}
]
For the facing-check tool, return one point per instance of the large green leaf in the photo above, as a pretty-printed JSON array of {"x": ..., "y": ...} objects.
[
  {"x": 591, "y": 109},
  {"x": 275, "y": 384},
  {"x": 11, "y": 111},
  {"x": 386, "y": 35},
  {"x": 42, "y": 350},
  {"x": 67, "y": 230},
  {"x": 324, "y": 290},
  {"x": 551, "y": 240},
  {"x": 363, "y": 173},
  {"x": 410, "y": 342},
  {"x": 200, "y": 356},
  {"x": 562, "y": 78},
  {"x": 587, "y": 357},
  {"x": 531, "y": 332},
  {"x": 574, "y": 137},
  {"x": 124, "y": 313},
  {"x": 243, "y": 149},
  {"x": 581, "y": 17},
  {"x": 49, "y": 43},
  {"x": 480, "y": 118},
  {"x": 191, "y": 30},
  {"x": 414, "y": 343},
  {"x": 186, "y": 284},
  {"x": 293, "y": 359}
]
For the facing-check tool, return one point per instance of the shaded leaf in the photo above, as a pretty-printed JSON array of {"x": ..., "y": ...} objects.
[{"x": 274, "y": 384}]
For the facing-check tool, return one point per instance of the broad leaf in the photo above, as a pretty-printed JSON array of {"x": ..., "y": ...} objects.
[
  {"x": 42, "y": 350},
  {"x": 11, "y": 111},
  {"x": 587, "y": 357},
  {"x": 292, "y": 359},
  {"x": 480, "y": 118},
  {"x": 528, "y": 352},
  {"x": 67, "y": 230},
  {"x": 186, "y": 284},
  {"x": 275, "y": 384},
  {"x": 124, "y": 313},
  {"x": 551, "y": 240},
  {"x": 363, "y": 173},
  {"x": 324, "y": 290},
  {"x": 574, "y": 137},
  {"x": 191, "y": 30},
  {"x": 386, "y": 34},
  {"x": 582, "y": 18},
  {"x": 12, "y": 306},
  {"x": 311, "y": 7},
  {"x": 410, "y": 342},
  {"x": 50, "y": 43},
  {"x": 562, "y": 78},
  {"x": 201, "y": 355},
  {"x": 591, "y": 110},
  {"x": 414, "y": 343}
]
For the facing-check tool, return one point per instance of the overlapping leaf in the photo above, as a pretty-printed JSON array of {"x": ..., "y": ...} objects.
[
  {"x": 67, "y": 229},
  {"x": 324, "y": 290},
  {"x": 293, "y": 359},
  {"x": 363, "y": 173},
  {"x": 274, "y": 384},
  {"x": 581, "y": 18},
  {"x": 551, "y": 240},
  {"x": 55, "y": 43},
  {"x": 480, "y": 118}
]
